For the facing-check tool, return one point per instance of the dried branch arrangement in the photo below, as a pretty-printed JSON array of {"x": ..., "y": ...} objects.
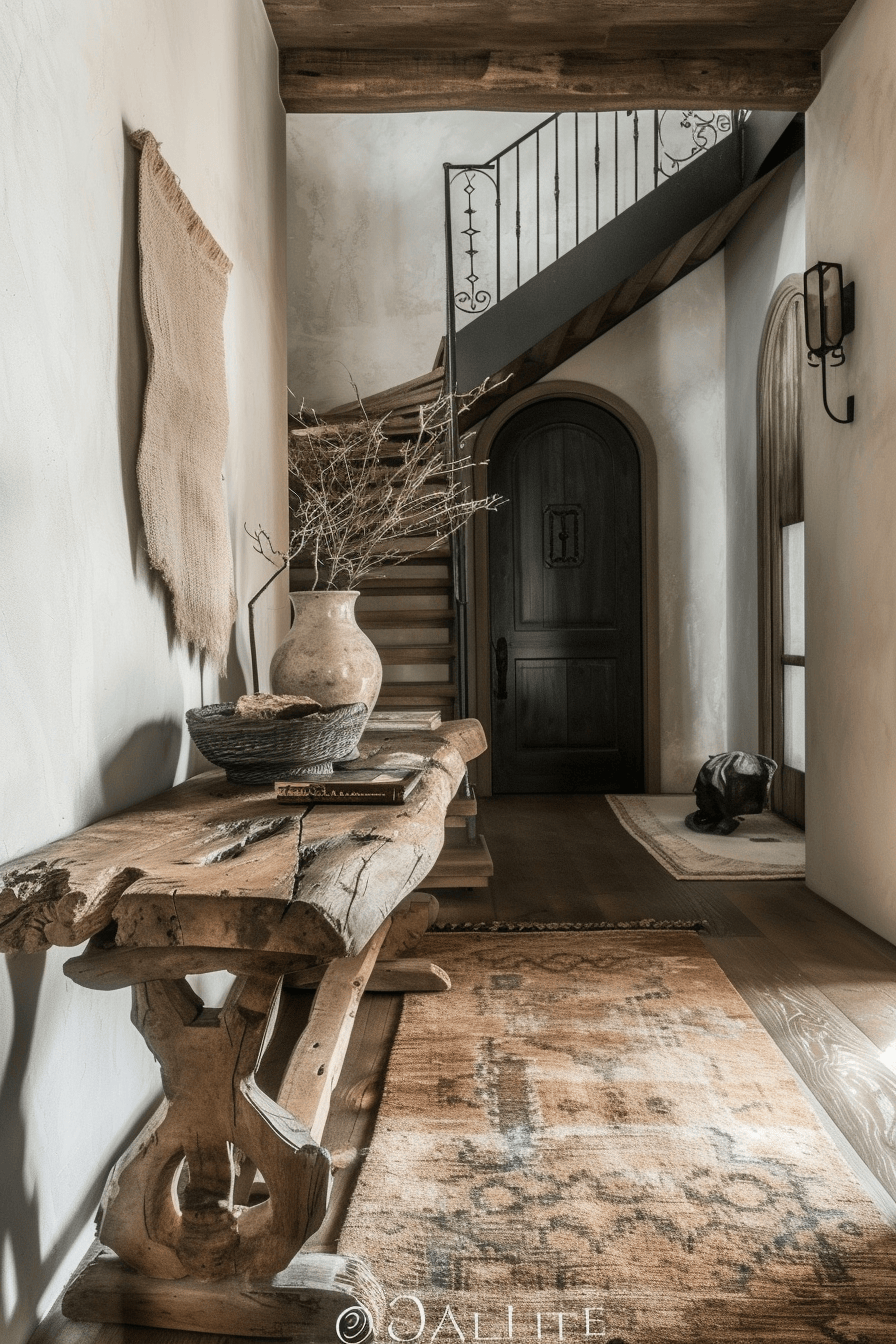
[{"x": 356, "y": 491}]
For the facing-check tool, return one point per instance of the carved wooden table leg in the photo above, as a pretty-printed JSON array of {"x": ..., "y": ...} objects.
[
  {"x": 212, "y": 1110},
  {"x": 214, "y": 1119}
]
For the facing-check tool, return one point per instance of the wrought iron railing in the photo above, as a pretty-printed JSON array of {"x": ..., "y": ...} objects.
[
  {"x": 534, "y": 201},
  {"x": 554, "y": 186}
]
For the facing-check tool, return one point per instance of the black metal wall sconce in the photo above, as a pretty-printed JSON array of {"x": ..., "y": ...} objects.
[{"x": 830, "y": 312}]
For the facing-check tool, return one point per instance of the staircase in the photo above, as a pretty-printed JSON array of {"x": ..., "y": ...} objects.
[
  {"x": 407, "y": 610},
  {"x": 410, "y": 614},
  {"x": 693, "y": 197},
  {"x": 655, "y": 220}
]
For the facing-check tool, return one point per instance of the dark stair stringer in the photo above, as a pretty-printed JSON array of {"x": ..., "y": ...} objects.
[{"x": 614, "y": 305}]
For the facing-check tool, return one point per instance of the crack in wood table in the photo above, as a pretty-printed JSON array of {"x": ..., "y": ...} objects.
[{"x": 204, "y": 1217}]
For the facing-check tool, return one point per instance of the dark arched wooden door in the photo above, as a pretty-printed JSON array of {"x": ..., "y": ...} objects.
[{"x": 565, "y": 597}]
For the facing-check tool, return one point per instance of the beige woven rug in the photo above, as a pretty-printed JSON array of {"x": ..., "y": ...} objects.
[
  {"x": 183, "y": 282},
  {"x": 762, "y": 848},
  {"x": 596, "y": 1121}
]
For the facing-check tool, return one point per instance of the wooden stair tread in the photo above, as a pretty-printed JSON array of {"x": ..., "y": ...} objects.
[
  {"x": 411, "y": 393},
  {"x": 462, "y": 807},
  {"x": 423, "y": 547},
  {"x": 405, "y": 655},
  {"x": 396, "y": 618},
  {"x": 398, "y": 694},
  {"x": 421, "y": 586},
  {"x": 461, "y": 863}
]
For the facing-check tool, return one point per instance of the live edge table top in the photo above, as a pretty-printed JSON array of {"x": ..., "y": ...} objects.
[{"x": 210, "y": 873}]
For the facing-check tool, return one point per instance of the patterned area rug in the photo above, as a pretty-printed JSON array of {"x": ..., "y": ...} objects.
[
  {"x": 764, "y": 847},
  {"x": 595, "y": 1126}
]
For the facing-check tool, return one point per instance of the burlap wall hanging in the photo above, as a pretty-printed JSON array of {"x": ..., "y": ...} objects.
[{"x": 183, "y": 283}]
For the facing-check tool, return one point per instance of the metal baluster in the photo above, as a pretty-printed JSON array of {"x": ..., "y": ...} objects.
[
  {"x": 596, "y": 171},
  {"x": 498, "y": 225},
  {"x": 656, "y": 149},
  {"x": 636, "y": 154},
  {"x": 577, "y": 178},
  {"x": 537, "y": 201},
  {"x": 517, "y": 216},
  {"x": 616, "y": 160},
  {"x": 450, "y": 321},
  {"x": 458, "y": 554},
  {"x": 557, "y": 188}
]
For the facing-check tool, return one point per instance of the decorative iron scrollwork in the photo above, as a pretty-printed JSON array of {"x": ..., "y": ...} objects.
[
  {"x": 472, "y": 299},
  {"x": 564, "y": 536},
  {"x": 536, "y": 204},
  {"x": 683, "y": 136}
]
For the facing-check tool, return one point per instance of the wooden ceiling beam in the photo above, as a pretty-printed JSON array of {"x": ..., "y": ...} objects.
[
  {"x": 351, "y": 80},
  {"x": 545, "y": 36},
  {"x": 704, "y": 25}
]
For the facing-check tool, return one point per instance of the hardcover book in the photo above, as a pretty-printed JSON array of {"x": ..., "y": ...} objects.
[
  {"x": 350, "y": 786},
  {"x": 403, "y": 720}
]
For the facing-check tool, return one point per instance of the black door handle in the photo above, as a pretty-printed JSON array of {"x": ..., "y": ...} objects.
[{"x": 501, "y": 668}]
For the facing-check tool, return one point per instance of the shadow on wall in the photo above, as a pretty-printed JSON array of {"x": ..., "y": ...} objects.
[
  {"x": 233, "y": 683},
  {"x": 19, "y": 1227},
  {"x": 133, "y": 365},
  {"x": 26, "y": 1270},
  {"x": 144, "y": 765}
]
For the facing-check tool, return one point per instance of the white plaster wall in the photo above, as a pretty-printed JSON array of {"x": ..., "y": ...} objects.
[
  {"x": 667, "y": 361},
  {"x": 366, "y": 251},
  {"x": 850, "y": 482},
  {"x": 94, "y": 686},
  {"x": 767, "y": 245}
]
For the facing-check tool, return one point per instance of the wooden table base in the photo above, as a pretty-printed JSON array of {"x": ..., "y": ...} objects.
[
  {"x": 203, "y": 1218},
  {"x": 303, "y": 1302}
]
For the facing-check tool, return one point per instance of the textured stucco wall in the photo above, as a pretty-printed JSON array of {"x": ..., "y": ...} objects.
[
  {"x": 667, "y": 362},
  {"x": 94, "y": 686},
  {"x": 366, "y": 250},
  {"x": 767, "y": 245},
  {"x": 850, "y": 483}
]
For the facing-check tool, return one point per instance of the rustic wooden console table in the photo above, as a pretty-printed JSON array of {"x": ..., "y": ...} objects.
[{"x": 204, "y": 1217}]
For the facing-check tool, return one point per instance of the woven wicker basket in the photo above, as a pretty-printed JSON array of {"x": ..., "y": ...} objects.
[{"x": 260, "y": 751}]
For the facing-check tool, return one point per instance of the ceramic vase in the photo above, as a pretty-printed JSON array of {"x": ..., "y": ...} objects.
[{"x": 326, "y": 655}]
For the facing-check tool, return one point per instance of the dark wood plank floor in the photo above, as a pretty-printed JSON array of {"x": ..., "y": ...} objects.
[{"x": 823, "y": 986}]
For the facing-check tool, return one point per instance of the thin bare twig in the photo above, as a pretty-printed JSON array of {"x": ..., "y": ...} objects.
[
  {"x": 357, "y": 491},
  {"x": 259, "y": 536}
]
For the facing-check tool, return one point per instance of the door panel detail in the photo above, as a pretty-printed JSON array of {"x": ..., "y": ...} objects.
[
  {"x": 591, "y": 699},
  {"x": 541, "y": 703},
  {"x": 564, "y": 535},
  {"x": 566, "y": 702},
  {"x": 558, "y": 467}
]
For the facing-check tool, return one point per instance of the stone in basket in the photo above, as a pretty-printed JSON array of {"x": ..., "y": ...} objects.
[{"x": 260, "y": 750}]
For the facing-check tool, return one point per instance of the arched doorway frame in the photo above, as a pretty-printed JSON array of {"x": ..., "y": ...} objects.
[
  {"x": 779, "y": 481},
  {"x": 479, "y": 616}
]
